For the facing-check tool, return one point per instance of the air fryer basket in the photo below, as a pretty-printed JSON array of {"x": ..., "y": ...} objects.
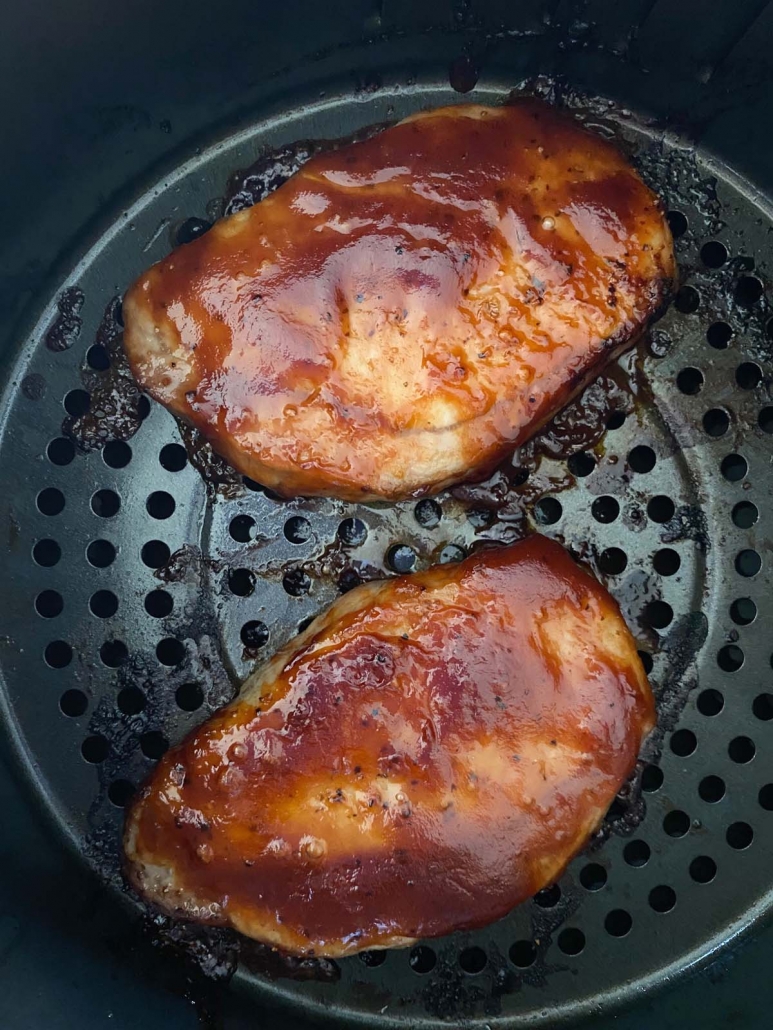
[{"x": 143, "y": 578}]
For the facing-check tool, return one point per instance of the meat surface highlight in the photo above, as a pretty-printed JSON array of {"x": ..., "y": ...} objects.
[
  {"x": 404, "y": 311},
  {"x": 430, "y": 752}
]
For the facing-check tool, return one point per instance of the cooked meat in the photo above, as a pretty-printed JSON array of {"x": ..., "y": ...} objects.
[
  {"x": 427, "y": 754},
  {"x": 404, "y": 311}
]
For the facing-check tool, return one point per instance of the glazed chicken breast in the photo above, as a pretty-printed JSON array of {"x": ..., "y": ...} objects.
[
  {"x": 431, "y": 751},
  {"x": 404, "y": 311}
]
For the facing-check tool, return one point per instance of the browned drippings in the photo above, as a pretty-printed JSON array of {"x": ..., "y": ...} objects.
[
  {"x": 67, "y": 325},
  {"x": 116, "y": 408}
]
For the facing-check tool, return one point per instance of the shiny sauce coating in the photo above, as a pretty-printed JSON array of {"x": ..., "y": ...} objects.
[
  {"x": 428, "y": 753},
  {"x": 405, "y": 310}
]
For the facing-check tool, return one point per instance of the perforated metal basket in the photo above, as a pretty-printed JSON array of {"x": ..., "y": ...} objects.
[{"x": 145, "y": 578}]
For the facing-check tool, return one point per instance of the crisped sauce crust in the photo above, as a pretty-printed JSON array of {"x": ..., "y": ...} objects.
[
  {"x": 430, "y": 752},
  {"x": 405, "y": 310}
]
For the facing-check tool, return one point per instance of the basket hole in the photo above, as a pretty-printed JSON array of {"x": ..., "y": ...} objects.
[
  {"x": 130, "y": 701},
  {"x": 642, "y": 459},
  {"x": 646, "y": 660},
  {"x": 616, "y": 420},
  {"x": 677, "y": 223},
  {"x": 428, "y": 513},
  {"x": 348, "y": 580},
  {"x": 252, "y": 485},
  {"x": 605, "y": 509},
  {"x": 46, "y": 553},
  {"x": 662, "y": 898},
  {"x": 371, "y": 959},
  {"x": 450, "y": 554},
  {"x": 352, "y": 532},
  {"x": 703, "y": 869},
  {"x": 719, "y": 335},
  {"x": 745, "y": 514},
  {"x": 173, "y": 457},
  {"x": 748, "y": 563},
  {"x": 618, "y": 922},
  {"x": 113, "y": 653},
  {"x": 765, "y": 797},
  {"x": 463, "y": 74},
  {"x": 480, "y": 518},
  {"x": 659, "y": 342},
  {"x": 659, "y": 614},
  {"x": 571, "y": 941},
  {"x": 155, "y": 554},
  {"x": 710, "y": 702},
  {"x": 748, "y": 290},
  {"x": 77, "y": 403},
  {"x": 100, "y": 553},
  {"x": 422, "y": 959},
  {"x": 61, "y": 451},
  {"x": 739, "y": 836},
  {"x": 748, "y": 375},
  {"x": 762, "y": 706},
  {"x": 547, "y": 511},
  {"x": 687, "y": 300},
  {"x": 548, "y": 897},
  {"x": 296, "y": 582},
  {"x": 105, "y": 503},
  {"x": 103, "y": 604},
  {"x": 189, "y": 697},
  {"x": 120, "y": 792},
  {"x": 160, "y": 505},
  {"x": 242, "y": 529},
  {"x": 95, "y": 749},
  {"x": 741, "y": 750},
  {"x": 743, "y": 611},
  {"x": 98, "y": 358},
  {"x": 711, "y": 789},
  {"x": 734, "y": 467},
  {"x": 49, "y": 604},
  {"x": 153, "y": 744},
  {"x": 730, "y": 658},
  {"x": 241, "y": 582},
  {"x": 473, "y": 960},
  {"x": 612, "y": 561},
  {"x": 143, "y": 407},
  {"x": 676, "y": 823},
  {"x": 765, "y": 420},
  {"x": 666, "y": 562},
  {"x": 116, "y": 454},
  {"x": 254, "y": 634},
  {"x": 50, "y": 501},
  {"x": 661, "y": 509},
  {"x": 401, "y": 558},
  {"x": 716, "y": 422},
  {"x": 304, "y": 624},
  {"x": 297, "y": 530},
  {"x": 159, "y": 604},
  {"x": 690, "y": 381},
  {"x": 523, "y": 954},
  {"x": 170, "y": 651},
  {"x": 58, "y": 654},
  {"x": 191, "y": 229},
  {"x": 651, "y": 778},
  {"x": 637, "y": 853},
  {"x": 581, "y": 464},
  {"x": 684, "y": 743},
  {"x": 593, "y": 876},
  {"x": 713, "y": 254},
  {"x": 73, "y": 703}
]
